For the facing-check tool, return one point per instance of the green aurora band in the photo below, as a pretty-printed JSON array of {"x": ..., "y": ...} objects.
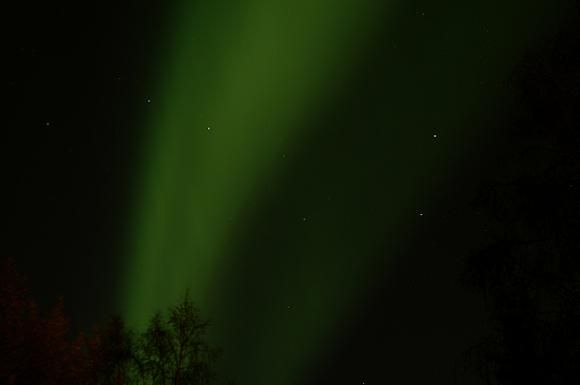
[{"x": 274, "y": 129}]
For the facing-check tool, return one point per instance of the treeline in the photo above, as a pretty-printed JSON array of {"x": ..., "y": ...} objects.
[
  {"x": 529, "y": 273},
  {"x": 36, "y": 348}
]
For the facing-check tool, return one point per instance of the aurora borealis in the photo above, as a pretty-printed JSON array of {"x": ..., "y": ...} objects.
[
  {"x": 279, "y": 159},
  {"x": 327, "y": 127}
]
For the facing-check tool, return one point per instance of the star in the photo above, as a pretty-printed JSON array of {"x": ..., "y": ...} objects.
[
  {"x": 148, "y": 100},
  {"x": 420, "y": 214},
  {"x": 435, "y": 136},
  {"x": 209, "y": 128},
  {"x": 47, "y": 124}
]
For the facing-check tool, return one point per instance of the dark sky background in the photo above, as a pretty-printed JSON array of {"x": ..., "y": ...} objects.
[
  {"x": 77, "y": 79},
  {"x": 76, "y": 83}
]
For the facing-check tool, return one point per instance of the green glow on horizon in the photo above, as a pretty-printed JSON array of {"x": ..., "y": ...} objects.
[{"x": 255, "y": 73}]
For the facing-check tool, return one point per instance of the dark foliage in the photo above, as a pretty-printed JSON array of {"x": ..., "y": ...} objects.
[
  {"x": 530, "y": 272},
  {"x": 173, "y": 350},
  {"x": 35, "y": 348}
]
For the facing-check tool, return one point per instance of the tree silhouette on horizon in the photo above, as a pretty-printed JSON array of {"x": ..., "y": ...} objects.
[
  {"x": 530, "y": 272},
  {"x": 36, "y": 348}
]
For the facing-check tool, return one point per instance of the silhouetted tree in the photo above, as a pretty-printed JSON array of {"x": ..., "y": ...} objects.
[
  {"x": 111, "y": 353},
  {"x": 530, "y": 272},
  {"x": 174, "y": 350},
  {"x": 155, "y": 350},
  {"x": 35, "y": 350}
]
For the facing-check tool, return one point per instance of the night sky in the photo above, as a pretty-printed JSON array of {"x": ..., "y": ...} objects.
[{"x": 306, "y": 168}]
